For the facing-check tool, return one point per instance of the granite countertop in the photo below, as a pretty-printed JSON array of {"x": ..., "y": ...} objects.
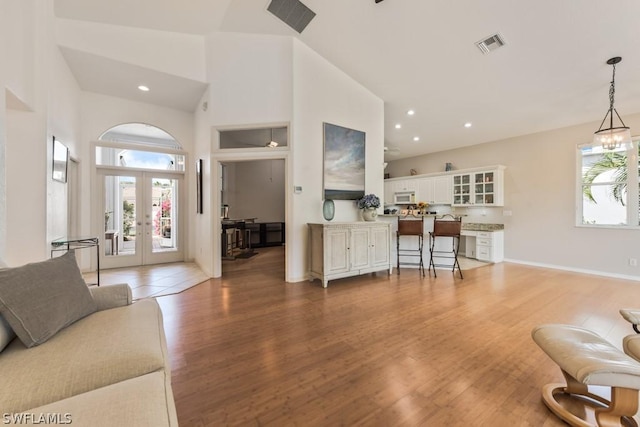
[{"x": 471, "y": 226}]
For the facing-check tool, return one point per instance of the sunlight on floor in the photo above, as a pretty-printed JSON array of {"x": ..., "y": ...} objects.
[{"x": 152, "y": 280}]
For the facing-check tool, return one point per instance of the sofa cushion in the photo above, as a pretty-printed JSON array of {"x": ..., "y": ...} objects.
[
  {"x": 6, "y": 333},
  {"x": 104, "y": 348},
  {"x": 143, "y": 401},
  {"x": 41, "y": 298}
]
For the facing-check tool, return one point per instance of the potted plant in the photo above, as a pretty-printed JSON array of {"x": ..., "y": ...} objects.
[{"x": 369, "y": 205}]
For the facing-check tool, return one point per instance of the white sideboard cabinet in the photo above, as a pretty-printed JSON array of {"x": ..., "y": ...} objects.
[{"x": 345, "y": 249}]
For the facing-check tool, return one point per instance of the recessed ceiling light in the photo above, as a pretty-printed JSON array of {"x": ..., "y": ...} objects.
[
  {"x": 143, "y": 88},
  {"x": 411, "y": 112},
  {"x": 416, "y": 138},
  {"x": 467, "y": 125},
  {"x": 398, "y": 126}
]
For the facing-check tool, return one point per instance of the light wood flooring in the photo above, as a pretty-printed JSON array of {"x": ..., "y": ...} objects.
[{"x": 378, "y": 350}]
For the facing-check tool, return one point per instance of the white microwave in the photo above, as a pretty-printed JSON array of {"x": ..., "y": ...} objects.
[{"x": 404, "y": 198}]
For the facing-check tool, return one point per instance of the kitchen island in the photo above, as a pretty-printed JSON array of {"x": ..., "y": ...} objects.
[{"x": 480, "y": 241}]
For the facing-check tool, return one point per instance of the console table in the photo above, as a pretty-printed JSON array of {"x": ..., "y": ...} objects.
[
  {"x": 346, "y": 249},
  {"x": 72, "y": 243}
]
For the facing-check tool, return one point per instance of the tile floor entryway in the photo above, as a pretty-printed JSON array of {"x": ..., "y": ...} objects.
[{"x": 152, "y": 280}]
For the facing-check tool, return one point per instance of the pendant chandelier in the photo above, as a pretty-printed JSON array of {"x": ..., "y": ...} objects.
[{"x": 612, "y": 137}]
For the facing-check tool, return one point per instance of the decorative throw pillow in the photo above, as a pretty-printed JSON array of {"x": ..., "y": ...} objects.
[
  {"x": 6, "y": 333},
  {"x": 41, "y": 298}
]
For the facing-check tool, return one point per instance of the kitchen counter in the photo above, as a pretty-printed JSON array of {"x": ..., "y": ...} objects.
[{"x": 470, "y": 226}]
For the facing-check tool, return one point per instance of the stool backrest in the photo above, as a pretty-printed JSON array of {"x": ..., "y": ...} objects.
[
  {"x": 410, "y": 227},
  {"x": 447, "y": 227}
]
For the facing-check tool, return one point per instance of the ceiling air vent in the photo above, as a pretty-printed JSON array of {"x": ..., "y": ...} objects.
[
  {"x": 490, "y": 43},
  {"x": 292, "y": 12}
]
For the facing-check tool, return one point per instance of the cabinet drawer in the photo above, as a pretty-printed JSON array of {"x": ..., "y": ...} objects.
[
  {"x": 483, "y": 253},
  {"x": 485, "y": 234},
  {"x": 481, "y": 241}
]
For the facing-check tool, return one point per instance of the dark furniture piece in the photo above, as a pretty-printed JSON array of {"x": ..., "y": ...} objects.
[
  {"x": 449, "y": 229},
  {"x": 414, "y": 228},
  {"x": 264, "y": 234}
]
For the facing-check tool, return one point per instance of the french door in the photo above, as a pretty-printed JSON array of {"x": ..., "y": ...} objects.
[{"x": 142, "y": 218}]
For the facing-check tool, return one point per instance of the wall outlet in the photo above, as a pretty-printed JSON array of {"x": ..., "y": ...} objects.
[
  {"x": 507, "y": 213},
  {"x": 633, "y": 262}
]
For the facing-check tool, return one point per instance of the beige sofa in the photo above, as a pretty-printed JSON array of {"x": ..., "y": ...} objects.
[{"x": 110, "y": 368}]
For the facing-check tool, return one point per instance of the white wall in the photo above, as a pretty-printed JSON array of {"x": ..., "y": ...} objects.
[
  {"x": 102, "y": 112},
  {"x": 257, "y": 79},
  {"x": 172, "y": 53},
  {"x": 323, "y": 93},
  {"x": 63, "y": 123},
  {"x": 257, "y": 189},
  {"x": 20, "y": 31},
  {"x": 4, "y": 15},
  {"x": 42, "y": 87},
  {"x": 250, "y": 79},
  {"x": 540, "y": 191},
  {"x": 201, "y": 243}
]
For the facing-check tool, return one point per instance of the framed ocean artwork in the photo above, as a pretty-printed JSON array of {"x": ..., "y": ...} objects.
[{"x": 344, "y": 163}]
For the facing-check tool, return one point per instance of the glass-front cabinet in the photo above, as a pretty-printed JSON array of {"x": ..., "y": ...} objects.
[
  {"x": 462, "y": 189},
  {"x": 480, "y": 188}
]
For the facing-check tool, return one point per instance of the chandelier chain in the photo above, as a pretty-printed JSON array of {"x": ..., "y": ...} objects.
[{"x": 612, "y": 89}]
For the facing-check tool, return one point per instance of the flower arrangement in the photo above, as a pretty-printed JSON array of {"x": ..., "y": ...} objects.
[
  {"x": 369, "y": 201},
  {"x": 423, "y": 205}
]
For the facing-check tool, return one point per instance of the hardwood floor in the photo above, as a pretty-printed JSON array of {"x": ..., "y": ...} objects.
[{"x": 378, "y": 350}]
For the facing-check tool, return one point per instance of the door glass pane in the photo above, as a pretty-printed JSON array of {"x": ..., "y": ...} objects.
[
  {"x": 119, "y": 215},
  {"x": 164, "y": 209},
  {"x": 121, "y": 157}
]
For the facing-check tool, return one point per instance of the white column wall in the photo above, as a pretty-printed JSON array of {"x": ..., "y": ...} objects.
[
  {"x": 43, "y": 102},
  {"x": 323, "y": 93}
]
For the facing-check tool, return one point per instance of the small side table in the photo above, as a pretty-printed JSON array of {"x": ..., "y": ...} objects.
[
  {"x": 112, "y": 236},
  {"x": 72, "y": 243}
]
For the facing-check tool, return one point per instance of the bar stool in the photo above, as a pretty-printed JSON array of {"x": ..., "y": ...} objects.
[
  {"x": 448, "y": 228},
  {"x": 410, "y": 227}
]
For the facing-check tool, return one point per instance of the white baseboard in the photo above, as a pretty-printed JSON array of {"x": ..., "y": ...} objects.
[{"x": 575, "y": 270}]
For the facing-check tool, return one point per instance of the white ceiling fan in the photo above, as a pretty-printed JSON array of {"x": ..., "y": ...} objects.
[{"x": 391, "y": 150}]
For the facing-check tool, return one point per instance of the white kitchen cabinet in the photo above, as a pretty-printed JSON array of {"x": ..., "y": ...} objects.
[
  {"x": 338, "y": 250},
  {"x": 405, "y": 185},
  {"x": 479, "y": 188},
  {"x": 388, "y": 192},
  {"x": 490, "y": 246},
  {"x": 435, "y": 190},
  {"x": 484, "y": 245}
]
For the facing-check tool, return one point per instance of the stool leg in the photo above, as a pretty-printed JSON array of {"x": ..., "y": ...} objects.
[
  {"x": 397, "y": 253},
  {"x": 421, "y": 246},
  {"x": 432, "y": 244},
  {"x": 456, "y": 247},
  {"x": 624, "y": 402}
]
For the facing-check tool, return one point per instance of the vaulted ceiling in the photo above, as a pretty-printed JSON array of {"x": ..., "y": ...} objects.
[{"x": 421, "y": 55}]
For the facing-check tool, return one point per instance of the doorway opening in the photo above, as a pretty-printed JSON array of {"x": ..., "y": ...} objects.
[{"x": 253, "y": 215}]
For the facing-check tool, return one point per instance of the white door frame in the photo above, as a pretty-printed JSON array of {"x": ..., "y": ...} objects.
[
  {"x": 97, "y": 217},
  {"x": 143, "y": 253},
  {"x": 221, "y": 156}
]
